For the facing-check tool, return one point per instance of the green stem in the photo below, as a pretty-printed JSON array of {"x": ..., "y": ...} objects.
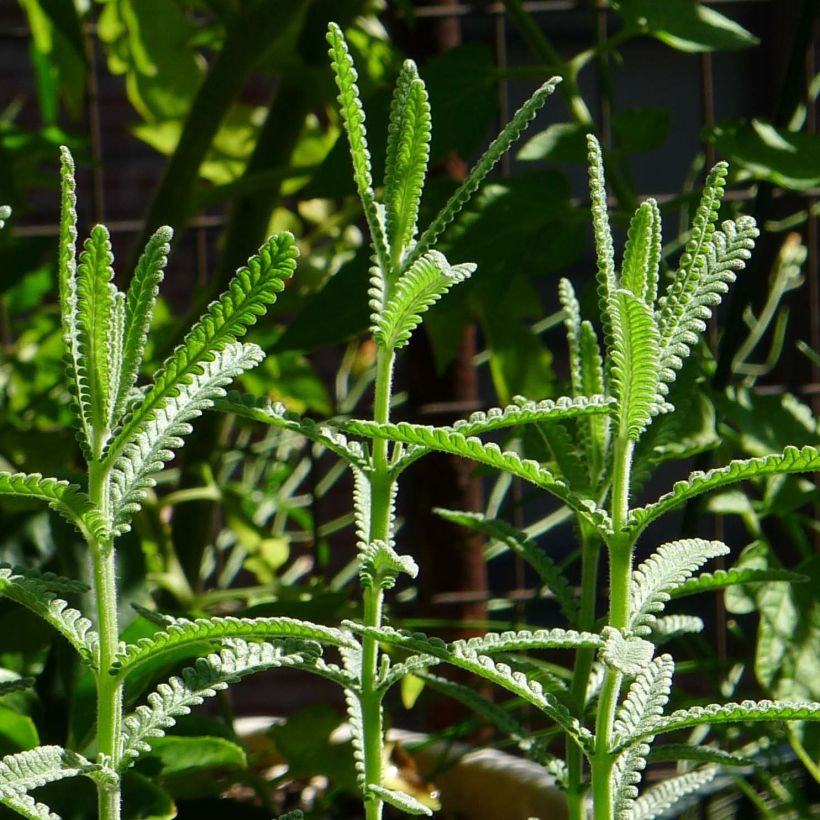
[
  {"x": 109, "y": 689},
  {"x": 380, "y": 507},
  {"x": 590, "y": 553},
  {"x": 620, "y": 575}
]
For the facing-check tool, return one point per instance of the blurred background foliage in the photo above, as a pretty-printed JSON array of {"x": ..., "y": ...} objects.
[{"x": 217, "y": 117}]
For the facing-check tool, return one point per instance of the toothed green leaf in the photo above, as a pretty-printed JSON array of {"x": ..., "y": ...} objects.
[
  {"x": 724, "y": 578},
  {"x": 684, "y": 311},
  {"x": 248, "y": 296},
  {"x": 208, "y": 676},
  {"x": 746, "y": 711},
  {"x": 666, "y": 628},
  {"x": 95, "y": 303},
  {"x": 26, "y": 806},
  {"x": 66, "y": 499},
  {"x": 380, "y": 565},
  {"x": 791, "y": 460},
  {"x": 462, "y": 655},
  {"x": 607, "y": 282},
  {"x": 703, "y": 754},
  {"x": 572, "y": 323},
  {"x": 67, "y": 281},
  {"x": 416, "y": 291},
  {"x": 549, "y": 573},
  {"x": 635, "y": 360},
  {"x": 145, "y": 455},
  {"x": 277, "y": 415},
  {"x": 139, "y": 309},
  {"x": 491, "y": 156},
  {"x": 626, "y": 653},
  {"x": 408, "y": 149},
  {"x": 529, "y": 412},
  {"x": 593, "y": 430},
  {"x": 447, "y": 441},
  {"x": 36, "y": 595},
  {"x": 644, "y": 703},
  {"x": 353, "y": 119},
  {"x": 654, "y": 801},
  {"x": 642, "y": 254},
  {"x": 8, "y": 687},
  {"x": 626, "y": 774},
  {"x": 24, "y": 771},
  {"x": 194, "y": 375},
  {"x": 655, "y": 579},
  {"x": 183, "y": 632},
  {"x": 400, "y": 800}
]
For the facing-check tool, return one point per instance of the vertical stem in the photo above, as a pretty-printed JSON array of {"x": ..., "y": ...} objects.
[
  {"x": 590, "y": 554},
  {"x": 380, "y": 492},
  {"x": 620, "y": 572},
  {"x": 109, "y": 690}
]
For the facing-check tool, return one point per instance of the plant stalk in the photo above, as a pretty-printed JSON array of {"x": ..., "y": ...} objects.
[
  {"x": 109, "y": 688},
  {"x": 590, "y": 554},
  {"x": 380, "y": 493},
  {"x": 620, "y": 575}
]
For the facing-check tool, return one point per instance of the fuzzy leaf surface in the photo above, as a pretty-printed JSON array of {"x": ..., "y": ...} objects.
[
  {"x": 644, "y": 703},
  {"x": 67, "y": 281},
  {"x": 24, "y": 771},
  {"x": 626, "y": 653},
  {"x": 791, "y": 460},
  {"x": 420, "y": 287},
  {"x": 666, "y": 794},
  {"x": 37, "y": 596},
  {"x": 183, "y": 632},
  {"x": 724, "y": 578},
  {"x": 353, "y": 119},
  {"x": 95, "y": 308},
  {"x": 162, "y": 432},
  {"x": 277, "y": 415},
  {"x": 529, "y": 412},
  {"x": 461, "y": 655},
  {"x": 655, "y": 579},
  {"x": 696, "y": 289},
  {"x": 203, "y": 680},
  {"x": 139, "y": 309},
  {"x": 249, "y": 293},
  {"x": 635, "y": 359},
  {"x": 745, "y": 711},
  {"x": 400, "y": 800},
  {"x": 66, "y": 499},
  {"x": 408, "y": 151},
  {"x": 491, "y": 156},
  {"x": 642, "y": 253},
  {"x": 446, "y": 441},
  {"x": 607, "y": 281}
]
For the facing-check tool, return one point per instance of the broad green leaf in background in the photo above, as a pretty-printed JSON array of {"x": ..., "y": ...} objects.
[
  {"x": 58, "y": 55},
  {"x": 685, "y": 25},
  {"x": 193, "y": 767},
  {"x": 151, "y": 42},
  {"x": 785, "y": 158},
  {"x": 561, "y": 142},
  {"x": 304, "y": 740}
]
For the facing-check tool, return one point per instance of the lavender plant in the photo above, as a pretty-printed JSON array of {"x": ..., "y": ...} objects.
[
  {"x": 614, "y": 707},
  {"x": 127, "y": 433}
]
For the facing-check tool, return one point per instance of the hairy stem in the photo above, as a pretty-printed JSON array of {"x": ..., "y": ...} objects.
[
  {"x": 380, "y": 522},
  {"x": 620, "y": 573},
  {"x": 109, "y": 689},
  {"x": 590, "y": 554}
]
